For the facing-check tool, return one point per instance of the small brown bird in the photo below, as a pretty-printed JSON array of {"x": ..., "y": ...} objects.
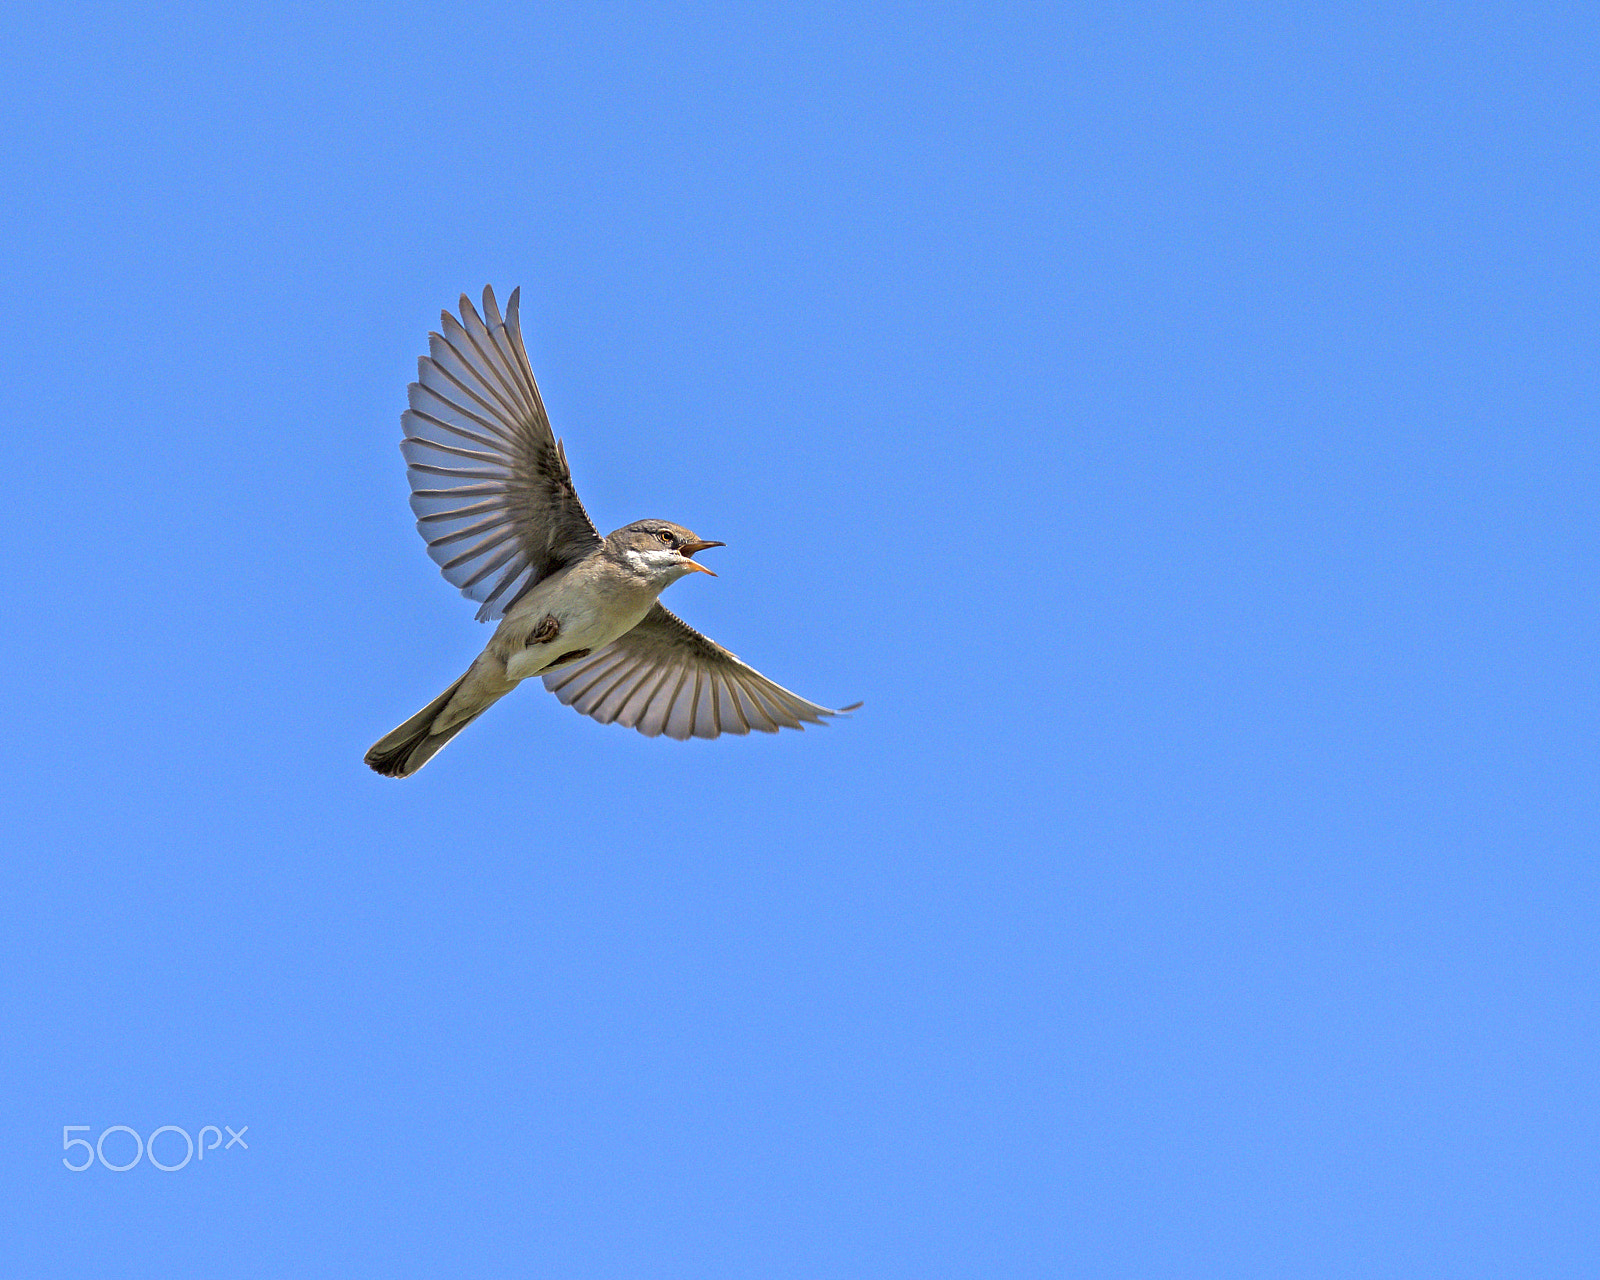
[{"x": 494, "y": 500}]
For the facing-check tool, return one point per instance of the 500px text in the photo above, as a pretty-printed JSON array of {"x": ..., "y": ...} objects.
[{"x": 193, "y": 1147}]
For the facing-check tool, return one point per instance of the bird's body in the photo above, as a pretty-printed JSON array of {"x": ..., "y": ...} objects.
[
  {"x": 494, "y": 498},
  {"x": 589, "y": 609}
]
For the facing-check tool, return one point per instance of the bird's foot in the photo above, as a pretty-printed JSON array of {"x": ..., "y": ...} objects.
[{"x": 547, "y": 630}]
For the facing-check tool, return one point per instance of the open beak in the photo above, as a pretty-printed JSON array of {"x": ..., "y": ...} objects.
[{"x": 688, "y": 549}]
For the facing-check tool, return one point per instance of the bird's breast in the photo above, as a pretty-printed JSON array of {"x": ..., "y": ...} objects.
[{"x": 586, "y": 614}]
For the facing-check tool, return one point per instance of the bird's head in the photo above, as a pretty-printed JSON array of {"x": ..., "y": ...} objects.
[{"x": 661, "y": 548}]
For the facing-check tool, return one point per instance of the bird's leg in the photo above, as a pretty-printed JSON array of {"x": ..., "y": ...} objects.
[{"x": 547, "y": 630}]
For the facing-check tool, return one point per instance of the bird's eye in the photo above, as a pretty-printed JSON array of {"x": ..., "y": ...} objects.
[{"x": 664, "y": 536}]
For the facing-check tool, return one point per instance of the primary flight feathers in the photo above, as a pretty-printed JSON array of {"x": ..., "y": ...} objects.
[{"x": 489, "y": 481}]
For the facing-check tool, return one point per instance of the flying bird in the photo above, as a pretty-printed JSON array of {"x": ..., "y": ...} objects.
[{"x": 495, "y": 503}]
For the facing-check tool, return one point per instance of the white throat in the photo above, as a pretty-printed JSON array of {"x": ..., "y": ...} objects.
[{"x": 656, "y": 564}]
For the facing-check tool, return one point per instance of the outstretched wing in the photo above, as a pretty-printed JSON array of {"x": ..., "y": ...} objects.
[
  {"x": 665, "y": 677},
  {"x": 489, "y": 481}
]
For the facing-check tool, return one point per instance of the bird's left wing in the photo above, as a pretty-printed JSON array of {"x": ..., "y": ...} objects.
[
  {"x": 489, "y": 481},
  {"x": 665, "y": 677}
]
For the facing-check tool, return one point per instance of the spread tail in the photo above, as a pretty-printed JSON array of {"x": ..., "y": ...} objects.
[{"x": 404, "y": 750}]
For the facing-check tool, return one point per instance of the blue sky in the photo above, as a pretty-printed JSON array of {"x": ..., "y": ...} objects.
[{"x": 1176, "y": 422}]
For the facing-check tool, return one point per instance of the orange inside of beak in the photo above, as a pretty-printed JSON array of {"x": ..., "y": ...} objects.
[{"x": 688, "y": 549}]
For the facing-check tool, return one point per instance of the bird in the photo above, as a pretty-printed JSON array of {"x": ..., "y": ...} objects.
[{"x": 495, "y": 503}]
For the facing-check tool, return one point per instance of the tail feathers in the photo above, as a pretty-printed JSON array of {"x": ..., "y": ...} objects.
[{"x": 404, "y": 750}]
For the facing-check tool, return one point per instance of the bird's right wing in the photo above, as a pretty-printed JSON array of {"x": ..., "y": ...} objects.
[
  {"x": 489, "y": 481},
  {"x": 665, "y": 677}
]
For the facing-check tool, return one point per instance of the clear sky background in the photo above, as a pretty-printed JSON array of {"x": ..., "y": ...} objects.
[{"x": 1177, "y": 422}]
